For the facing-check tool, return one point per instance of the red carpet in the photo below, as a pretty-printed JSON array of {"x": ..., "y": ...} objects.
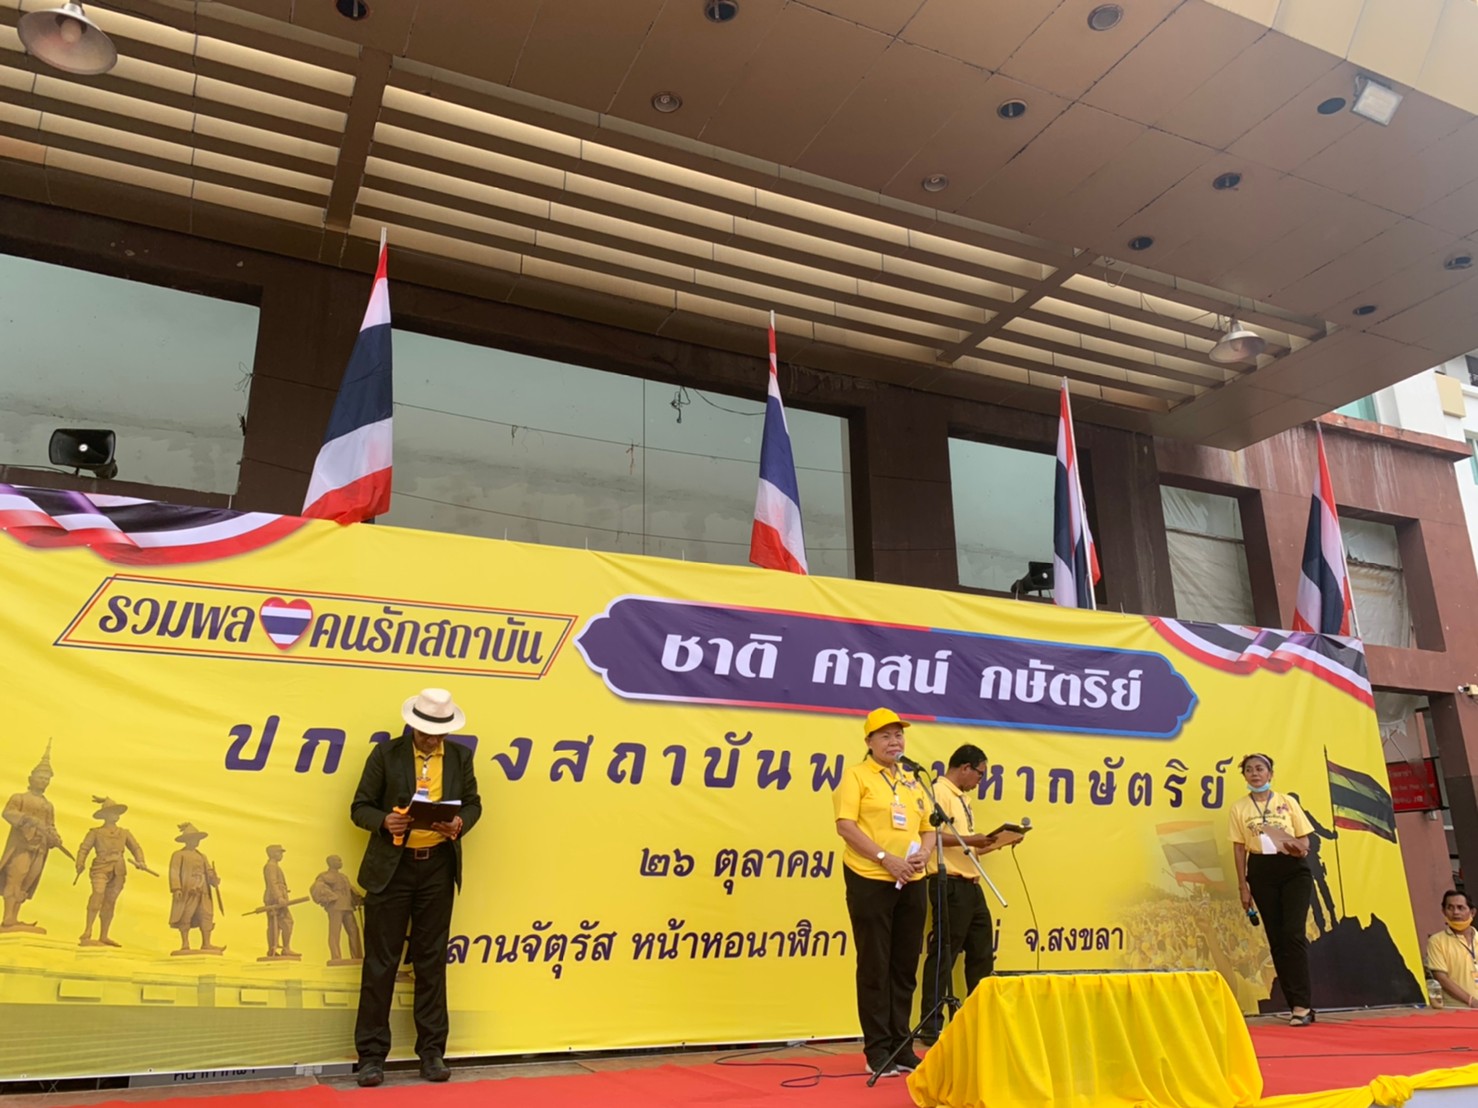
[
  {"x": 1342, "y": 1054},
  {"x": 1336, "y": 1054}
]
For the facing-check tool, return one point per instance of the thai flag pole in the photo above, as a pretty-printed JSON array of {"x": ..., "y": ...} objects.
[
  {"x": 1074, "y": 554},
  {"x": 1325, "y": 603},
  {"x": 351, "y": 476},
  {"x": 776, "y": 540}
]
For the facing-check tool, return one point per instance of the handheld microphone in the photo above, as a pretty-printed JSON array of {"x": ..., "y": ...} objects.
[{"x": 910, "y": 765}]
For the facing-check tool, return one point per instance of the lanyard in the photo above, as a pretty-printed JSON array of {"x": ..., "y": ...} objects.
[
  {"x": 892, "y": 782},
  {"x": 969, "y": 815},
  {"x": 1263, "y": 810}
]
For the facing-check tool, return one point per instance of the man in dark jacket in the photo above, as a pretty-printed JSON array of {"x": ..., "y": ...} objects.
[{"x": 411, "y": 876}]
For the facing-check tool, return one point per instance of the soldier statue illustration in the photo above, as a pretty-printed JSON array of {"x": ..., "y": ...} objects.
[
  {"x": 333, "y": 893},
  {"x": 33, "y": 835},
  {"x": 110, "y": 847},
  {"x": 192, "y": 880},
  {"x": 276, "y": 904}
]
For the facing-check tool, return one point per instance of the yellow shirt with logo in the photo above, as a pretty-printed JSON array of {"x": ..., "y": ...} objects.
[
  {"x": 866, "y": 796},
  {"x": 428, "y": 777},
  {"x": 954, "y": 805},
  {"x": 1451, "y": 954},
  {"x": 1246, "y": 814}
]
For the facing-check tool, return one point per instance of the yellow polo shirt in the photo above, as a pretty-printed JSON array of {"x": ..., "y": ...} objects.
[
  {"x": 1451, "y": 954},
  {"x": 1246, "y": 814},
  {"x": 866, "y": 796},
  {"x": 957, "y": 808},
  {"x": 428, "y": 776}
]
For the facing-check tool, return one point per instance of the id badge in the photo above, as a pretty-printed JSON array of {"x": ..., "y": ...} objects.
[{"x": 900, "y": 817}]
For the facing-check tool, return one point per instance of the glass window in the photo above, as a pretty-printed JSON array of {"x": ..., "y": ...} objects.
[
  {"x": 1208, "y": 558},
  {"x": 1003, "y": 511},
  {"x": 1364, "y": 408},
  {"x": 168, "y": 371},
  {"x": 493, "y": 443},
  {"x": 1376, "y": 583},
  {"x": 1473, "y": 458}
]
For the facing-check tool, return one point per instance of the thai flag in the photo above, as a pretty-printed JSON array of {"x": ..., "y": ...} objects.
[
  {"x": 1324, "y": 603},
  {"x": 1074, "y": 555},
  {"x": 285, "y": 621},
  {"x": 351, "y": 478},
  {"x": 776, "y": 540}
]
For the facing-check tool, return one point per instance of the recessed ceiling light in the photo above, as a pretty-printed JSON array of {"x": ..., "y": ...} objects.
[
  {"x": 1458, "y": 261},
  {"x": 1141, "y": 242},
  {"x": 1105, "y": 17},
  {"x": 1227, "y": 181},
  {"x": 352, "y": 9},
  {"x": 1364, "y": 309},
  {"x": 935, "y": 182},
  {"x": 667, "y": 102},
  {"x": 1375, "y": 101},
  {"x": 1012, "y": 109},
  {"x": 720, "y": 11},
  {"x": 1332, "y": 106}
]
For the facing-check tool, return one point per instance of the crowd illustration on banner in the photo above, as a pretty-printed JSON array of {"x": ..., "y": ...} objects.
[{"x": 106, "y": 853}]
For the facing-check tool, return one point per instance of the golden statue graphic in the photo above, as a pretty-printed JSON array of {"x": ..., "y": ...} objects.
[
  {"x": 277, "y": 906},
  {"x": 192, "y": 879},
  {"x": 333, "y": 893},
  {"x": 33, "y": 835},
  {"x": 107, "y": 845}
]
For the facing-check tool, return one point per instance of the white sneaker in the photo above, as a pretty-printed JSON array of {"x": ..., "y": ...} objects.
[{"x": 891, "y": 1071}]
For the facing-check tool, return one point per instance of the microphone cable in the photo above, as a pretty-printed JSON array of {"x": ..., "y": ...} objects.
[{"x": 1030, "y": 907}]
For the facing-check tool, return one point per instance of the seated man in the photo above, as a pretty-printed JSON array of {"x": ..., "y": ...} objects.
[{"x": 1450, "y": 953}]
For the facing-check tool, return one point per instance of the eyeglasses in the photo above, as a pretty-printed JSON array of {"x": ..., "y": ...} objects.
[{"x": 979, "y": 771}]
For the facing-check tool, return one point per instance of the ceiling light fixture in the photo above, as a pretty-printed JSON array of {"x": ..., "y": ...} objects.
[
  {"x": 352, "y": 9},
  {"x": 1227, "y": 181},
  {"x": 1012, "y": 109},
  {"x": 1105, "y": 17},
  {"x": 667, "y": 102},
  {"x": 64, "y": 38},
  {"x": 935, "y": 182},
  {"x": 720, "y": 11},
  {"x": 1141, "y": 242},
  {"x": 1375, "y": 101},
  {"x": 1332, "y": 106},
  {"x": 1458, "y": 261},
  {"x": 1364, "y": 309},
  {"x": 1237, "y": 345}
]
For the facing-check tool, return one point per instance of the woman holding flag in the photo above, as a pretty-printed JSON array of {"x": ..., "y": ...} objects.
[{"x": 1270, "y": 837}]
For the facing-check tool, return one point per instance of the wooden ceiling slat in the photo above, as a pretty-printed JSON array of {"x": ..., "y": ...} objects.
[
  {"x": 1149, "y": 369},
  {"x": 1073, "y": 373},
  {"x": 1302, "y": 328}
]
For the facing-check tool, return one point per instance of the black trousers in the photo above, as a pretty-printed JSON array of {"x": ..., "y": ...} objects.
[
  {"x": 888, "y": 932},
  {"x": 419, "y": 897},
  {"x": 1283, "y": 890},
  {"x": 967, "y": 931}
]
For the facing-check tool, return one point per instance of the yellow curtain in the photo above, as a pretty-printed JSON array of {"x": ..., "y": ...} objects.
[
  {"x": 1388, "y": 1092},
  {"x": 1147, "y": 1040}
]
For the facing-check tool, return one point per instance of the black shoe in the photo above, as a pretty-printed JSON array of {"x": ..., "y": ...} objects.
[
  {"x": 371, "y": 1073},
  {"x": 434, "y": 1069},
  {"x": 908, "y": 1061},
  {"x": 1303, "y": 1020}
]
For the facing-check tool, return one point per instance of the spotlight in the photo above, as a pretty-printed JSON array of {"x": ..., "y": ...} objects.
[
  {"x": 1038, "y": 578},
  {"x": 1375, "y": 101},
  {"x": 935, "y": 182},
  {"x": 1237, "y": 345},
  {"x": 84, "y": 449},
  {"x": 64, "y": 38},
  {"x": 667, "y": 102}
]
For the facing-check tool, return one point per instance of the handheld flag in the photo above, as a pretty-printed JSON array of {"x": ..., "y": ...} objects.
[
  {"x": 1360, "y": 802},
  {"x": 1324, "y": 603},
  {"x": 776, "y": 540},
  {"x": 351, "y": 477},
  {"x": 1074, "y": 555}
]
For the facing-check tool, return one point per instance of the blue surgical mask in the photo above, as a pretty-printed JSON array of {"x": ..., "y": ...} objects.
[{"x": 1264, "y": 787}]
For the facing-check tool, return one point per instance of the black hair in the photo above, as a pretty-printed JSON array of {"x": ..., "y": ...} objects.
[
  {"x": 967, "y": 755},
  {"x": 1450, "y": 893},
  {"x": 1242, "y": 765}
]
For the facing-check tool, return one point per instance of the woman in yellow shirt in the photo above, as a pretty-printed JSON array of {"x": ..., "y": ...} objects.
[
  {"x": 1270, "y": 837},
  {"x": 881, "y": 816}
]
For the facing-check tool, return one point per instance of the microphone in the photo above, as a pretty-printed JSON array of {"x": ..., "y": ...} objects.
[
  {"x": 1026, "y": 823},
  {"x": 910, "y": 765}
]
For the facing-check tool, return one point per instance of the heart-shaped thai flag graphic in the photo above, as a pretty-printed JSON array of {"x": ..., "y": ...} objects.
[{"x": 286, "y": 620}]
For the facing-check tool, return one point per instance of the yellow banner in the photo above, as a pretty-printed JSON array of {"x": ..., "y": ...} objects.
[{"x": 656, "y": 744}]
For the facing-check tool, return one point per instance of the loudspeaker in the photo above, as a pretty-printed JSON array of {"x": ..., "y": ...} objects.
[{"x": 84, "y": 449}]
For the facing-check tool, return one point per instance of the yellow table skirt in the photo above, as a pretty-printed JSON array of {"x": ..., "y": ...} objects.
[{"x": 1147, "y": 1040}]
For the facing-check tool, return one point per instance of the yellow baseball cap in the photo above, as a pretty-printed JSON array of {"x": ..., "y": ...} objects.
[{"x": 879, "y": 718}]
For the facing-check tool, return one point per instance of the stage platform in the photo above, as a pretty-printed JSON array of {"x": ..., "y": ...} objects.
[{"x": 1367, "y": 1053}]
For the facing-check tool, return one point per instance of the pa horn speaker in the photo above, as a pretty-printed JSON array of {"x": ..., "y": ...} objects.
[{"x": 80, "y": 448}]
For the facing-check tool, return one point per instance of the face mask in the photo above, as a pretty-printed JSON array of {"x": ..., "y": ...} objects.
[
  {"x": 1264, "y": 787},
  {"x": 1460, "y": 925}
]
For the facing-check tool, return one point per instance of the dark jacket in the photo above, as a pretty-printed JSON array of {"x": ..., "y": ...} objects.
[{"x": 389, "y": 781}]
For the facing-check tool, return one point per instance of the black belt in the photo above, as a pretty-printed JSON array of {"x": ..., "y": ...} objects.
[
  {"x": 423, "y": 853},
  {"x": 958, "y": 877}
]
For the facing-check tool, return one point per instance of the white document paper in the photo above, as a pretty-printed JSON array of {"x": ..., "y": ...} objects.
[
  {"x": 913, "y": 848},
  {"x": 1266, "y": 843}
]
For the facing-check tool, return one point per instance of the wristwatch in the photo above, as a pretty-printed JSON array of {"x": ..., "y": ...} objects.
[{"x": 881, "y": 855}]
